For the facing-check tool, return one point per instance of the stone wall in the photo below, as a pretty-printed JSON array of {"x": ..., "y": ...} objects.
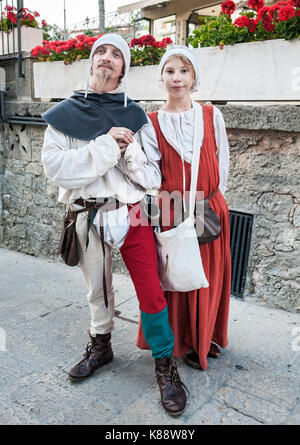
[{"x": 263, "y": 181}]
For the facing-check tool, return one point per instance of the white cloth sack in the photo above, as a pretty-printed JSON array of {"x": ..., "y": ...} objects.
[{"x": 179, "y": 259}]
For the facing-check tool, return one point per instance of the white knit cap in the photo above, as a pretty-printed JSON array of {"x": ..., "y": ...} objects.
[
  {"x": 176, "y": 50},
  {"x": 117, "y": 41}
]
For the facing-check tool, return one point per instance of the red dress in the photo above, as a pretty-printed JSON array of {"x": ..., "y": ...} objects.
[{"x": 200, "y": 316}]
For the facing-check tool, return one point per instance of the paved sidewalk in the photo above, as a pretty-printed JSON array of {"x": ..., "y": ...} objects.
[{"x": 44, "y": 314}]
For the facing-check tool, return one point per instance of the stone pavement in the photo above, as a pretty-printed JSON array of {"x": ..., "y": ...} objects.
[{"x": 45, "y": 317}]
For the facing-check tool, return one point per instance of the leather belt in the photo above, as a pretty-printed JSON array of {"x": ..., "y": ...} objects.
[
  {"x": 213, "y": 194},
  {"x": 86, "y": 204},
  {"x": 92, "y": 206}
]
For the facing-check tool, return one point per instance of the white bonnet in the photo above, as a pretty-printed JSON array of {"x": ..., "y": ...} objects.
[
  {"x": 117, "y": 41},
  {"x": 176, "y": 50}
]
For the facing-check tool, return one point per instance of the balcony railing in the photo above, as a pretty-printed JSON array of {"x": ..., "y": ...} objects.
[{"x": 11, "y": 42}]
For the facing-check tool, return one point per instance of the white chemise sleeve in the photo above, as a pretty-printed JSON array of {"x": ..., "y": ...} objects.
[
  {"x": 223, "y": 148},
  {"x": 142, "y": 159},
  {"x": 75, "y": 168}
]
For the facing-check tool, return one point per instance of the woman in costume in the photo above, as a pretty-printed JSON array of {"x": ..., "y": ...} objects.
[{"x": 199, "y": 318}]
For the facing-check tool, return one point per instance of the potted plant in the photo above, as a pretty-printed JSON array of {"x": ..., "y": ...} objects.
[
  {"x": 258, "y": 23},
  {"x": 63, "y": 75},
  {"x": 144, "y": 51},
  {"x": 31, "y": 29}
]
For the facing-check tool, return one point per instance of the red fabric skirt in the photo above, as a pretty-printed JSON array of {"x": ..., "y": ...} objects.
[{"x": 201, "y": 316}]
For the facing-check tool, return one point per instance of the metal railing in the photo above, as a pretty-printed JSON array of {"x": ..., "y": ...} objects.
[
  {"x": 11, "y": 42},
  {"x": 112, "y": 21},
  {"x": 124, "y": 24}
]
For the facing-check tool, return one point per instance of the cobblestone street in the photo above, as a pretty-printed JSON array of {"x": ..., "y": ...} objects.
[{"x": 45, "y": 317}]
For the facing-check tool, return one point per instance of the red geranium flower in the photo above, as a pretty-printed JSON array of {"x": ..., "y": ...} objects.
[
  {"x": 12, "y": 17},
  {"x": 273, "y": 12},
  {"x": 228, "y": 7},
  {"x": 9, "y": 8},
  {"x": 61, "y": 49},
  {"x": 34, "y": 52},
  {"x": 81, "y": 37},
  {"x": 39, "y": 51},
  {"x": 147, "y": 40},
  {"x": 263, "y": 12},
  {"x": 242, "y": 21},
  {"x": 268, "y": 25},
  {"x": 285, "y": 13},
  {"x": 255, "y": 4},
  {"x": 161, "y": 44},
  {"x": 52, "y": 46},
  {"x": 169, "y": 41},
  {"x": 135, "y": 42},
  {"x": 253, "y": 25},
  {"x": 265, "y": 16},
  {"x": 81, "y": 45}
]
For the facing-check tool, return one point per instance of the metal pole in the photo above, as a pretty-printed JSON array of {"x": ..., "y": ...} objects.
[
  {"x": 101, "y": 16},
  {"x": 65, "y": 21},
  {"x": 20, "y": 7}
]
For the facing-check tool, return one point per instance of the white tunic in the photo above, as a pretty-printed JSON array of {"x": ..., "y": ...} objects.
[
  {"x": 178, "y": 129},
  {"x": 96, "y": 169}
]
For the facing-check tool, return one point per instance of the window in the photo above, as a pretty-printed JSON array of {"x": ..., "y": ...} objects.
[{"x": 165, "y": 27}]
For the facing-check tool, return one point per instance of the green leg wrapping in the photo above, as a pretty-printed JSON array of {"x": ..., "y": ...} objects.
[{"x": 158, "y": 333}]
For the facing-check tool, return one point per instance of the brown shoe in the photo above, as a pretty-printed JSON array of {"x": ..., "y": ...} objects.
[
  {"x": 214, "y": 351},
  {"x": 98, "y": 352},
  {"x": 173, "y": 396},
  {"x": 192, "y": 358}
]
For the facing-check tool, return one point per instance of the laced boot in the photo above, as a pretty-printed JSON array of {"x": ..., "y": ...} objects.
[
  {"x": 173, "y": 396},
  {"x": 97, "y": 353}
]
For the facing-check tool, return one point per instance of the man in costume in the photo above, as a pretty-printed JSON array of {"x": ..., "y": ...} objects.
[{"x": 99, "y": 145}]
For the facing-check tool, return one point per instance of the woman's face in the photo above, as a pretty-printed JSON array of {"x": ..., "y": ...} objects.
[{"x": 178, "y": 77}]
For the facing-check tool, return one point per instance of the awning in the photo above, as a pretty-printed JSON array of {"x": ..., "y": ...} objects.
[{"x": 139, "y": 5}]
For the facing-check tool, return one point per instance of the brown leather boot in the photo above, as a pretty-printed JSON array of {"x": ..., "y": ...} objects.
[
  {"x": 98, "y": 352},
  {"x": 173, "y": 396}
]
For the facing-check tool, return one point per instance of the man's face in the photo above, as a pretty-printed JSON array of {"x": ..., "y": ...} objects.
[{"x": 108, "y": 58}]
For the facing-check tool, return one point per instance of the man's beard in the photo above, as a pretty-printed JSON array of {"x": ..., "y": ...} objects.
[{"x": 101, "y": 77}]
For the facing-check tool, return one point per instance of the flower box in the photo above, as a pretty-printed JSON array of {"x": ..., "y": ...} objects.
[
  {"x": 30, "y": 37},
  {"x": 255, "y": 71}
]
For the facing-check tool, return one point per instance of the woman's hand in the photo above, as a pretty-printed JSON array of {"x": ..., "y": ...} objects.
[
  {"x": 123, "y": 146},
  {"x": 121, "y": 134}
]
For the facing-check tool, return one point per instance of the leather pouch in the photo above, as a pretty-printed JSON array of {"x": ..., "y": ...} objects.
[
  {"x": 68, "y": 241},
  {"x": 208, "y": 226}
]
